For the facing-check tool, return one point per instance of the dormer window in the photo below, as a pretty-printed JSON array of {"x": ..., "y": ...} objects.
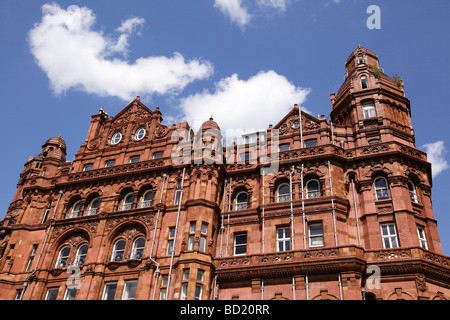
[{"x": 364, "y": 82}]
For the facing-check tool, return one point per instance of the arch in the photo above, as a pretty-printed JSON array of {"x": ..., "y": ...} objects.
[
  {"x": 129, "y": 232},
  {"x": 118, "y": 252},
  {"x": 241, "y": 200},
  {"x": 283, "y": 192}
]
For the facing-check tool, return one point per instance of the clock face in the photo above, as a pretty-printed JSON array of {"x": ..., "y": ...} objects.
[
  {"x": 116, "y": 137},
  {"x": 140, "y": 133}
]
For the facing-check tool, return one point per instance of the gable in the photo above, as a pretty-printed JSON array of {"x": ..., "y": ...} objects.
[
  {"x": 136, "y": 110},
  {"x": 286, "y": 125}
]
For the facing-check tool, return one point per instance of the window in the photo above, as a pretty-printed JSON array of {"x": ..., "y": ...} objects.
[
  {"x": 87, "y": 167},
  {"x": 283, "y": 193},
  {"x": 374, "y": 141},
  {"x": 93, "y": 207},
  {"x": 52, "y": 294},
  {"x": 147, "y": 199},
  {"x": 204, "y": 231},
  {"x": 312, "y": 189},
  {"x": 47, "y": 211},
  {"x": 241, "y": 201},
  {"x": 422, "y": 238},
  {"x": 315, "y": 235},
  {"x": 170, "y": 240},
  {"x": 70, "y": 294},
  {"x": 116, "y": 138},
  {"x": 138, "y": 248},
  {"x": 296, "y": 124},
  {"x": 310, "y": 143},
  {"x": 118, "y": 250},
  {"x": 110, "y": 291},
  {"x": 134, "y": 159},
  {"x": 63, "y": 257},
  {"x": 369, "y": 111},
  {"x": 381, "y": 189},
  {"x": 199, "y": 285},
  {"x": 178, "y": 192},
  {"x": 364, "y": 82},
  {"x": 284, "y": 147},
  {"x": 31, "y": 258},
  {"x": 129, "y": 292},
  {"x": 80, "y": 258},
  {"x": 109, "y": 163},
  {"x": 76, "y": 208},
  {"x": 283, "y": 239},
  {"x": 184, "y": 285},
  {"x": 412, "y": 192},
  {"x": 127, "y": 202},
  {"x": 158, "y": 155},
  {"x": 240, "y": 244},
  {"x": 163, "y": 288},
  {"x": 140, "y": 133},
  {"x": 191, "y": 236},
  {"x": 389, "y": 235}
]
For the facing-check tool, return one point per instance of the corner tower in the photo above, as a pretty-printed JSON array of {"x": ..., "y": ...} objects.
[{"x": 371, "y": 102}]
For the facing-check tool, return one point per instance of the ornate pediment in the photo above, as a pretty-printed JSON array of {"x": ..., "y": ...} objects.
[
  {"x": 290, "y": 123},
  {"x": 135, "y": 111}
]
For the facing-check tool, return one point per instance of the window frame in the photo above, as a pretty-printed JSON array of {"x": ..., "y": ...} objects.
[
  {"x": 158, "y": 155},
  {"x": 311, "y": 194},
  {"x": 79, "y": 255},
  {"x": 422, "y": 238},
  {"x": 313, "y": 236},
  {"x": 170, "y": 241},
  {"x": 240, "y": 205},
  {"x": 106, "y": 293},
  {"x": 49, "y": 290},
  {"x": 59, "y": 260},
  {"x": 236, "y": 245},
  {"x": 389, "y": 236},
  {"x": 126, "y": 289},
  {"x": 135, "y": 250},
  {"x": 114, "y": 138},
  {"x": 364, "y": 83},
  {"x": 310, "y": 143},
  {"x": 137, "y": 135},
  {"x": 285, "y": 146},
  {"x": 378, "y": 189},
  {"x": 116, "y": 251},
  {"x": 285, "y": 240},
  {"x": 369, "y": 111},
  {"x": 283, "y": 196}
]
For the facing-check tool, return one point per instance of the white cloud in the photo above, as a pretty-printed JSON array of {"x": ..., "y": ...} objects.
[
  {"x": 435, "y": 154},
  {"x": 74, "y": 56},
  {"x": 235, "y": 10},
  {"x": 275, "y": 4},
  {"x": 250, "y": 104}
]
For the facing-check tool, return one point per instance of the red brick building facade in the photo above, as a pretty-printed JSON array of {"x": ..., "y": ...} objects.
[{"x": 346, "y": 214}]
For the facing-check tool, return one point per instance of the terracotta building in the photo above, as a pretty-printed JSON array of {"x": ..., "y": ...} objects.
[{"x": 339, "y": 209}]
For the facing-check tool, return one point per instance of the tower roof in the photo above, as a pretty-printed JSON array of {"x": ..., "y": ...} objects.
[{"x": 210, "y": 124}]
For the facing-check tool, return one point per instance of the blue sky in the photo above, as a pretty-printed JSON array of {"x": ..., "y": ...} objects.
[{"x": 62, "y": 61}]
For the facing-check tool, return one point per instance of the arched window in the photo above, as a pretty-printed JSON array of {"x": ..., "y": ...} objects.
[
  {"x": 81, "y": 254},
  {"x": 381, "y": 189},
  {"x": 364, "y": 82},
  {"x": 312, "y": 189},
  {"x": 138, "y": 248},
  {"x": 118, "y": 250},
  {"x": 241, "y": 201},
  {"x": 63, "y": 257},
  {"x": 412, "y": 192},
  {"x": 283, "y": 193},
  {"x": 127, "y": 202},
  {"x": 147, "y": 199},
  {"x": 93, "y": 207},
  {"x": 75, "y": 212}
]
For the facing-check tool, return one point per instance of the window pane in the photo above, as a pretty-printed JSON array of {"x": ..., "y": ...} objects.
[
  {"x": 202, "y": 244},
  {"x": 192, "y": 229},
  {"x": 52, "y": 294},
  {"x": 70, "y": 294},
  {"x": 284, "y": 147},
  {"x": 310, "y": 143},
  {"x": 284, "y": 189},
  {"x": 242, "y": 198},
  {"x": 198, "y": 292},
  {"x": 110, "y": 291},
  {"x": 130, "y": 290},
  {"x": 315, "y": 229},
  {"x": 200, "y": 275},
  {"x": 204, "y": 228},
  {"x": 241, "y": 239}
]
